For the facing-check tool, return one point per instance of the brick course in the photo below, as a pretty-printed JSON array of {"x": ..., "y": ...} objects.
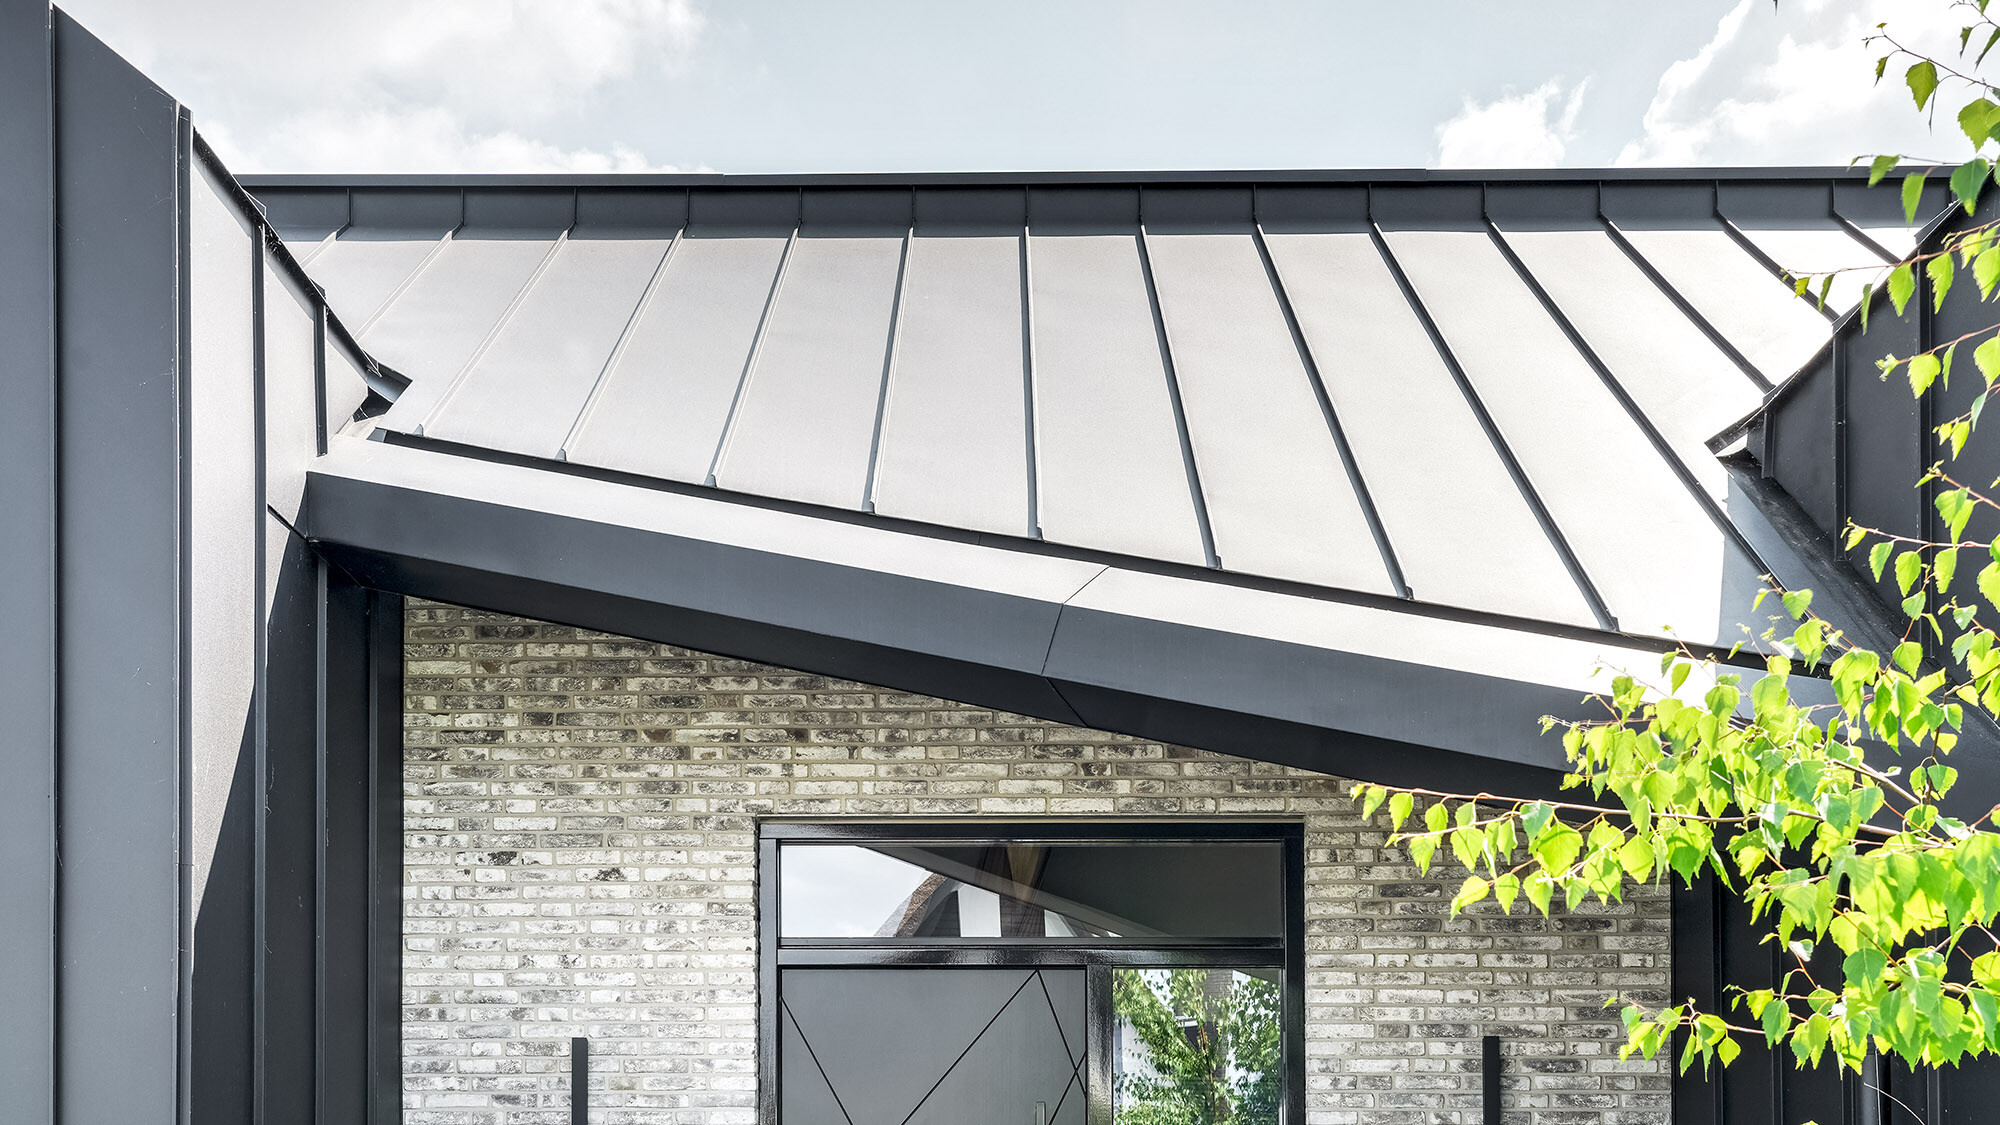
[{"x": 580, "y": 816}]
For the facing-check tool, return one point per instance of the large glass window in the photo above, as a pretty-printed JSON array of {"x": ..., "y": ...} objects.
[
  {"x": 1093, "y": 890},
  {"x": 1096, "y": 974}
]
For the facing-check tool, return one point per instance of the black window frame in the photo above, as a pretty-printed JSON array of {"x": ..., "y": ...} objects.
[{"x": 1285, "y": 952}]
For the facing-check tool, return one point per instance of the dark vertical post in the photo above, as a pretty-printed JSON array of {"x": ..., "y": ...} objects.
[
  {"x": 1489, "y": 1080},
  {"x": 385, "y": 856},
  {"x": 28, "y": 560},
  {"x": 579, "y": 1081}
]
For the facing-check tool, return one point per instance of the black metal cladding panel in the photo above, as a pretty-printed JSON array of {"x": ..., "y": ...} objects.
[
  {"x": 860, "y": 210},
  {"x": 1802, "y": 444},
  {"x": 1884, "y": 448},
  {"x": 1187, "y": 210},
  {"x": 1965, "y": 313},
  {"x": 975, "y": 210},
  {"x": 628, "y": 213},
  {"x": 1083, "y": 210},
  {"x": 1775, "y": 205},
  {"x": 305, "y": 213},
  {"x": 417, "y": 210},
  {"x": 1659, "y": 206},
  {"x": 504, "y": 213},
  {"x": 1445, "y": 207},
  {"x": 1543, "y": 206},
  {"x": 1289, "y": 207},
  {"x": 758, "y": 210},
  {"x": 118, "y": 272}
]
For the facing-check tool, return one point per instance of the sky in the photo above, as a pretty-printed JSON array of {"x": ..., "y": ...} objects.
[{"x": 924, "y": 85}]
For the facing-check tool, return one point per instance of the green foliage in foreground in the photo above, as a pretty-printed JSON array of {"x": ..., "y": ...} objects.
[{"x": 1828, "y": 818}]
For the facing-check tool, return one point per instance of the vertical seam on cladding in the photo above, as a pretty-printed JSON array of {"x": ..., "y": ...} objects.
[
  {"x": 403, "y": 286},
  {"x": 1625, "y": 401},
  {"x": 1031, "y": 419},
  {"x": 889, "y": 362},
  {"x": 1694, "y": 315},
  {"x": 756, "y": 349},
  {"x": 618, "y": 348},
  {"x": 1770, "y": 264},
  {"x": 183, "y": 611},
  {"x": 486, "y": 342},
  {"x": 1550, "y": 530},
  {"x": 260, "y": 839},
  {"x": 1195, "y": 492},
  {"x": 1355, "y": 479},
  {"x": 1866, "y": 240}
]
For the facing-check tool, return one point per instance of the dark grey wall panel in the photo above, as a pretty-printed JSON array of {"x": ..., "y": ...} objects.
[
  {"x": 224, "y": 607},
  {"x": 1801, "y": 453},
  {"x": 118, "y": 196},
  {"x": 287, "y": 1006},
  {"x": 28, "y": 560}
]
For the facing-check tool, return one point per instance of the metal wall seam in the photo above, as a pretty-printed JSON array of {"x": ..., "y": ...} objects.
[
  {"x": 1174, "y": 397},
  {"x": 756, "y": 346},
  {"x": 618, "y": 349},
  {"x": 1749, "y": 247},
  {"x": 493, "y": 333},
  {"x": 889, "y": 362},
  {"x": 320, "y": 246},
  {"x": 1625, "y": 401},
  {"x": 260, "y": 683},
  {"x": 1714, "y": 334},
  {"x": 183, "y": 605},
  {"x": 1865, "y": 239},
  {"x": 402, "y": 286},
  {"x": 1032, "y": 422},
  {"x": 1557, "y": 540},
  {"x": 1347, "y": 459}
]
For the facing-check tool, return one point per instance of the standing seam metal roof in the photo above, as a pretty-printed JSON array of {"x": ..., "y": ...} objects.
[{"x": 1489, "y": 395}]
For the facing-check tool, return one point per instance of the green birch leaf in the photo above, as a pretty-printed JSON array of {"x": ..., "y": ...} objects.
[
  {"x": 1941, "y": 271},
  {"x": 1902, "y": 284},
  {"x": 1913, "y": 196},
  {"x": 1399, "y": 809},
  {"x": 1990, "y": 41},
  {"x": 1968, "y": 179},
  {"x": 1880, "y": 167},
  {"x": 1986, "y": 270},
  {"x": 1944, "y": 567},
  {"x": 1989, "y": 583},
  {"x": 1922, "y": 78},
  {"x": 1909, "y": 564},
  {"x": 1878, "y": 556},
  {"x": 1986, "y": 357},
  {"x": 1923, "y": 370}
]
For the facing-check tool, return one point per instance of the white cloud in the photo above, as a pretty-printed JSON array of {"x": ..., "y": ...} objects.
[
  {"x": 1530, "y": 130},
  {"x": 402, "y": 85},
  {"x": 1796, "y": 86}
]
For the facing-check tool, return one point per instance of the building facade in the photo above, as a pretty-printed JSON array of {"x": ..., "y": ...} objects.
[{"x": 1154, "y": 506}]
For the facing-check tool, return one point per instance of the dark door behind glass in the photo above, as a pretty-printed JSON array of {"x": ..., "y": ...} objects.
[{"x": 932, "y": 1046}]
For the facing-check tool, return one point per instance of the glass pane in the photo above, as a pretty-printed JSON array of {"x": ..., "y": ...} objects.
[
  {"x": 1196, "y": 1047},
  {"x": 1027, "y": 890}
]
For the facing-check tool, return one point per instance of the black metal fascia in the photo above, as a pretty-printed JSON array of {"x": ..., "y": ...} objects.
[{"x": 1058, "y": 638}]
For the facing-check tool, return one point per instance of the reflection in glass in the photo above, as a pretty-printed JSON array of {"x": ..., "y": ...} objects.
[
  {"x": 1025, "y": 890},
  {"x": 1196, "y": 1047}
]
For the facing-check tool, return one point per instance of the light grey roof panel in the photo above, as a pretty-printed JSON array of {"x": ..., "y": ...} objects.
[
  {"x": 360, "y": 269},
  {"x": 665, "y": 398},
  {"x": 805, "y": 426},
  {"x": 1283, "y": 505},
  {"x": 526, "y": 389},
  {"x": 1606, "y": 486},
  {"x": 954, "y": 445},
  {"x": 1110, "y": 469},
  {"x": 1823, "y": 249},
  {"x": 1754, "y": 310},
  {"x": 1684, "y": 383},
  {"x": 437, "y": 322},
  {"x": 1442, "y": 491}
]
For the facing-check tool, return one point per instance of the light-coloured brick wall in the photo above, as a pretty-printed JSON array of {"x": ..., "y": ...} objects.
[{"x": 581, "y": 815}]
